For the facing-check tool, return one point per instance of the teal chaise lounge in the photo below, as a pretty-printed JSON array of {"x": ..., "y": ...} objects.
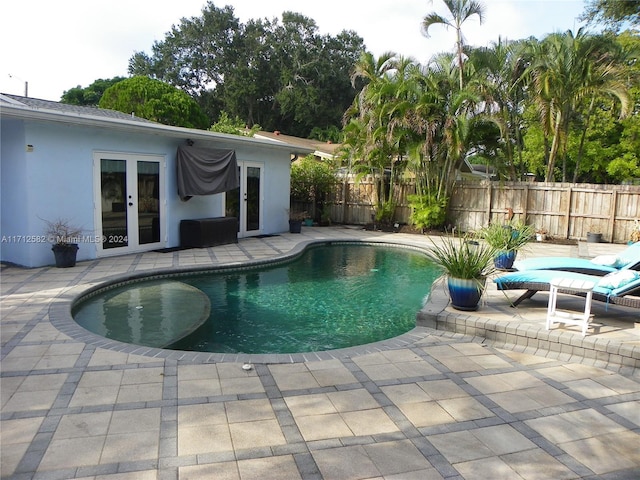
[
  {"x": 619, "y": 288},
  {"x": 628, "y": 259}
]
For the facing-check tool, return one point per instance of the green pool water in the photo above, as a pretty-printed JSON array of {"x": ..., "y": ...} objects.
[{"x": 333, "y": 296}]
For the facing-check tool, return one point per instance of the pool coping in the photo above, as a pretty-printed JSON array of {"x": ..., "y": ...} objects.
[
  {"x": 60, "y": 313},
  {"x": 511, "y": 333}
]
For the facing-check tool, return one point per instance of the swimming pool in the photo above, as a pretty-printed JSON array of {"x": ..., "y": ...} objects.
[{"x": 332, "y": 296}]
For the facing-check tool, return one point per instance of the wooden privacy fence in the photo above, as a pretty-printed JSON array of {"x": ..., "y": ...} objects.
[{"x": 564, "y": 210}]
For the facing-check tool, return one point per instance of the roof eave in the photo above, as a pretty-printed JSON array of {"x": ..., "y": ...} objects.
[{"x": 134, "y": 126}]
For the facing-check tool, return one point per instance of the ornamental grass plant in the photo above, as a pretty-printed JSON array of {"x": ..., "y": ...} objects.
[
  {"x": 511, "y": 236},
  {"x": 462, "y": 257}
]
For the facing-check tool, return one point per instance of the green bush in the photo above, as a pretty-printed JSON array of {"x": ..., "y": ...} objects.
[
  {"x": 312, "y": 181},
  {"x": 385, "y": 213},
  {"x": 427, "y": 211}
]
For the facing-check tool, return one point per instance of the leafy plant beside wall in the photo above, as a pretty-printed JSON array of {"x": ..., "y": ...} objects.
[
  {"x": 311, "y": 183},
  {"x": 427, "y": 211}
]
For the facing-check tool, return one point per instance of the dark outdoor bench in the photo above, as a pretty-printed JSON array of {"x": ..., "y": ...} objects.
[{"x": 208, "y": 232}]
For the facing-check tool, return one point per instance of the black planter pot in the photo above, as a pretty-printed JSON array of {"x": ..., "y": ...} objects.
[
  {"x": 465, "y": 293},
  {"x": 594, "y": 237},
  {"x": 295, "y": 226},
  {"x": 65, "y": 255}
]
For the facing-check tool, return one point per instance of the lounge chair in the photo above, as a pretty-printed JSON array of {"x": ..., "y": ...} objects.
[
  {"x": 601, "y": 265},
  {"x": 619, "y": 288}
]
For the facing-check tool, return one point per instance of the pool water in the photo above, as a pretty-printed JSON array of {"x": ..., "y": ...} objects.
[{"x": 333, "y": 296}]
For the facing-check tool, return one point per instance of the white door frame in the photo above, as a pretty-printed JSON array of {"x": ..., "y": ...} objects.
[
  {"x": 243, "y": 204},
  {"x": 130, "y": 203}
]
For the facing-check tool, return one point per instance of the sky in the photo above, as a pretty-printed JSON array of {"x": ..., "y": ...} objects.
[{"x": 52, "y": 46}]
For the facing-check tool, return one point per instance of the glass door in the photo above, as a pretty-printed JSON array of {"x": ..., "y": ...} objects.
[
  {"x": 245, "y": 202},
  {"x": 130, "y": 200},
  {"x": 252, "y": 196},
  {"x": 113, "y": 201},
  {"x": 148, "y": 202}
]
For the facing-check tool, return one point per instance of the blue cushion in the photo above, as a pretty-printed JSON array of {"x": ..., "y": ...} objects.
[
  {"x": 541, "y": 276},
  {"x": 545, "y": 276},
  {"x": 564, "y": 264},
  {"x": 629, "y": 256}
]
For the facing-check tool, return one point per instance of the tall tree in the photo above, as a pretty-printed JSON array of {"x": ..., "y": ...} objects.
[
  {"x": 461, "y": 11},
  {"x": 195, "y": 54},
  {"x": 284, "y": 76},
  {"x": 566, "y": 70},
  {"x": 154, "y": 100},
  {"x": 91, "y": 95},
  {"x": 409, "y": 117},
  {"x": 497, "y": 72},
  {"x": 366, "y": 133},
  {"x": 614, "y": 14}
]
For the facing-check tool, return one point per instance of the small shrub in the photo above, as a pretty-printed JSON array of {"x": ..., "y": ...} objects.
[
  {"x": 427, "y": 211},
  {"x": 385, "y": 213}
]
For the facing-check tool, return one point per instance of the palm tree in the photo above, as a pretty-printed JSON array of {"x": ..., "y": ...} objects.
[
  {"x": 566, "y": 71},
  {"x": 498, "y": 72},
  {"x": 367, "y": 125},
  {"x": 444, "y": 116},
  {"x": 460, "y": 11}
]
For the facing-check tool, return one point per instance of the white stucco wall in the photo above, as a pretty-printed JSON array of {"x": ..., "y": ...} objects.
[
  {"x": 14, "y": 201},
  {"x": 56, "y": 179}
]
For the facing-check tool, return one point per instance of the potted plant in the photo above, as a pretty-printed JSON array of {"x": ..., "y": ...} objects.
[
  {"x": 593, "y": 234},
  {"x": 295, "y": 221},
  {"x": 466, "y": 265},
  {"x": 507, "y": 239},
  {"x": 64, "y": 236},
  {"x": 541, "y": 234}
]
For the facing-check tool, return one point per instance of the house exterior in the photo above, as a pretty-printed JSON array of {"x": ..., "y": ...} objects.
[{"x": 115, "y": 176}]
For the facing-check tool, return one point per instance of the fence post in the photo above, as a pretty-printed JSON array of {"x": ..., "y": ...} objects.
[
  {"x": 489, "y": 194},
  {"x": 612, "y": 216},
  {"x": 525, "y": 207},
  {"x": 345, "y": 196},
  {"x": 567, "y": 217}
]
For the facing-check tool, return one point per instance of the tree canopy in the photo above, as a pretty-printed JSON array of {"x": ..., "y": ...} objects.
[
  {"x": 91, "y": 95},
  {"x": 563, "y": 108},
  {"x": 613, "y": 14},
  {"x": 282, "y": 75},
  {"x": 154, "y": 100}
]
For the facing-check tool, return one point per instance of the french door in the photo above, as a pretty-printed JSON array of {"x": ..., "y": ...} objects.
[
  {"x": 246, "y": 202},
  {"x": 129, "y": 191}
]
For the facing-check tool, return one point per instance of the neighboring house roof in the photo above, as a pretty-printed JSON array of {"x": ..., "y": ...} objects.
[
  {"x": 14, "y": 106},
  {"x": 320, "y": 148},
  {"x": 477, "y": 170}
]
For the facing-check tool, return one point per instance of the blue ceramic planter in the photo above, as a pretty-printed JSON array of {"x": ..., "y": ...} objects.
[
  {"x": 504, "y": 260},
  {"x": 465, "y": 293}
]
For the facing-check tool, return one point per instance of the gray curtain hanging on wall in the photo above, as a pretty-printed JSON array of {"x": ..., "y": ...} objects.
[{"x": 205, "y": 171}]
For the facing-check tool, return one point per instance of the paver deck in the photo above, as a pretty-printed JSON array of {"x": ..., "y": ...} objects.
[{"x": 434, "y": 404}]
